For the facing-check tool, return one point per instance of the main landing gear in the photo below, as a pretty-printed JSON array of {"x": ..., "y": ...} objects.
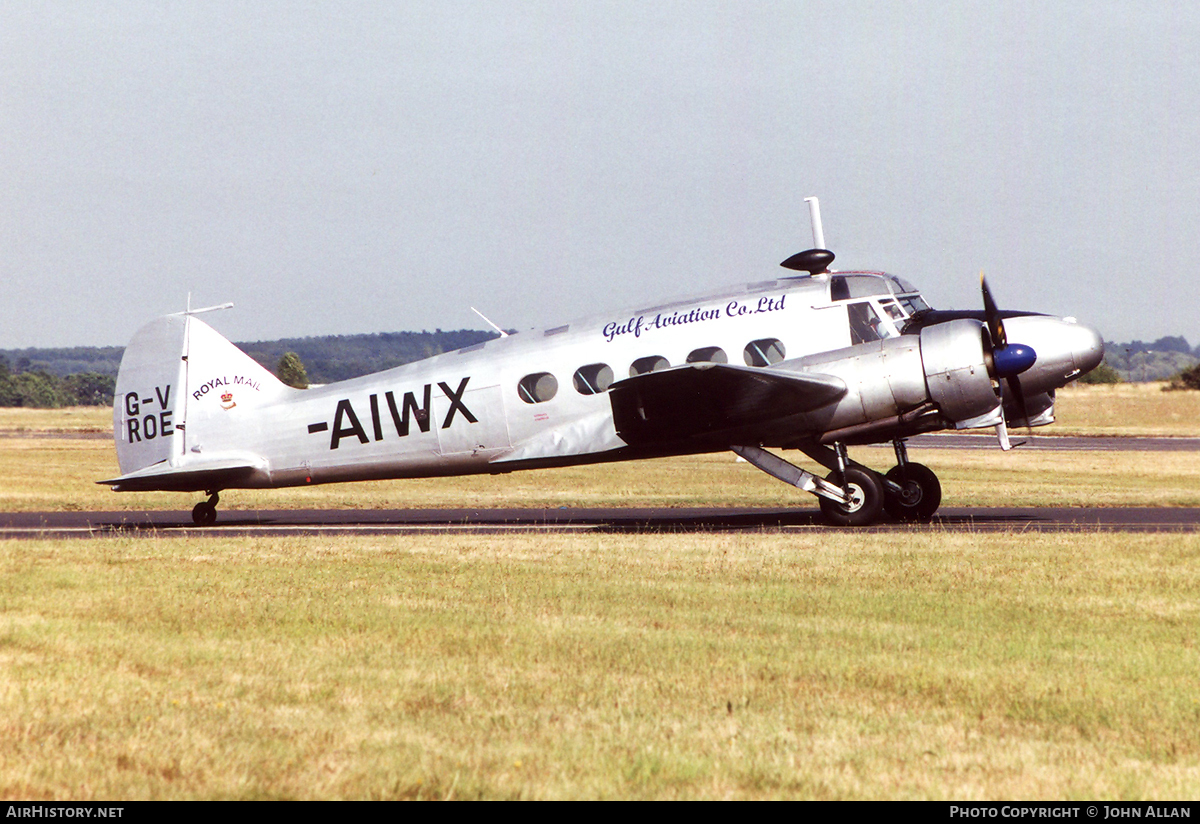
[
  {"x": 205, "y": 512},
  {"x": 852, "y": 494},
  {"x": 914, "y": 492}
]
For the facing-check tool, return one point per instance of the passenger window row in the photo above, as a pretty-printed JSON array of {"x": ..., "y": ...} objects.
[{"x": 595, "y": 378}]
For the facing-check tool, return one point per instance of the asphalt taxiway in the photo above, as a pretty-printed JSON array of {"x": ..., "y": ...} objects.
[
  {"x": 298, "y": 522},
  {"x": 637, "y": 520}
]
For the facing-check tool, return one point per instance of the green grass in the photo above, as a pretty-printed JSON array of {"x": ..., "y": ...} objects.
[
  {"x": 57, "y": 470},
  {"x": 49, "y": 474},
  {"x": 915, "y": 665}
]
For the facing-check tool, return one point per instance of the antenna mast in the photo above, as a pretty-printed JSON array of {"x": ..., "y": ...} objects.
[{"x": 814, "y": 215}]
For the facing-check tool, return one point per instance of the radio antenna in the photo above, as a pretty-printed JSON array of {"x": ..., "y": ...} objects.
[
  {"x": 503, "y": 334},
  {"x": 814, "y": 215}
]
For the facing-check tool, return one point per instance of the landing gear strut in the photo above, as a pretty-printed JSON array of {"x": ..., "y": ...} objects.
[
  {"x": 852, "y": 494},
  {"x": 863, "y": 488},
  {"x": 914, "y": 493},
  {"x": 205, "y": 512}
]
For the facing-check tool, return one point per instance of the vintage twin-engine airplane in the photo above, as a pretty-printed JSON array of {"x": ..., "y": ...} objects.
[{"x": 829, "y": 359}]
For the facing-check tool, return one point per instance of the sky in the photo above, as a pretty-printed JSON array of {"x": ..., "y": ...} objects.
[{"x": 350, "y": 167}]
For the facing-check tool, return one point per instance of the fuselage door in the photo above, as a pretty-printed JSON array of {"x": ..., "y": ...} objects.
[{"x": 474, "y": 422}]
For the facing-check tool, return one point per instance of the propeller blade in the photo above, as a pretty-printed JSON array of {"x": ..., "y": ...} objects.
[
  {"x": 1002, "y": 434},
  {"x": 994, "y": 323},
  {"x": 1014, "y": 386},
  {"x": 1005, "y": 362}
]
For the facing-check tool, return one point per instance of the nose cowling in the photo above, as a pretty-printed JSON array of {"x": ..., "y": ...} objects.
[
  {"x": 1089, "y": 349},
  {"x": 1065, "y": 350}
]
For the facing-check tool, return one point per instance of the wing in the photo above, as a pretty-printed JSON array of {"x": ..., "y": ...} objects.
[{"x": 707, "y": 400}]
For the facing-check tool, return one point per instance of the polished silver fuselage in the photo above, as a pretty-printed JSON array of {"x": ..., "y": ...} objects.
[{"x": 542, "y": 397}]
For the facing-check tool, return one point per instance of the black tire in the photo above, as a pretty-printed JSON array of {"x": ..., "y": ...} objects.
[
  {"x": 923, "y": 493},
  {"x": 204, "y": 514},
  {"x": 867, "y": 492}
]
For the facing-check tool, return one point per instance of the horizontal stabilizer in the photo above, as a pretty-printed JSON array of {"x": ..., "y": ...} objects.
[
  {"x": 706, "y": 399},
  {"x": 194, "y": 476}
]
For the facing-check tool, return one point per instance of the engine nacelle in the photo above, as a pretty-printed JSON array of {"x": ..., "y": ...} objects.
[
  {"x": 955, "y": 360},
  {"x": 899, "y": 386}
]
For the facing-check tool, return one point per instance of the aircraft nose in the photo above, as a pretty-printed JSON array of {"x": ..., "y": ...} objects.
[
  {"x": 1065, "y": 349},
  {"x": 1087, "y": 347}
]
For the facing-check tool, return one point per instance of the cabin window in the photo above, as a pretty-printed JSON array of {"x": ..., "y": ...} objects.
[
  {"x": 764, "y": 352},
  {"x": 593, "y": 378},
  {"x": 651, "y": 363},
  {"x": 708, "y": 354},
  {"x": 538, "y": 387}
]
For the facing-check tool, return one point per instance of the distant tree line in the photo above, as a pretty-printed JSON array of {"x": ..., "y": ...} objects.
[
  {"x": 86, "y": 376},
  {"x": 46, "y": 390},
  {"x": 340, "y": 357},
  {"x": 102, "y": 360},
  {"x": 1159, "y": 360}
]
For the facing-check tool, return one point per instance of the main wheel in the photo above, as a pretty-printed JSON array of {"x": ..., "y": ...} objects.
[
  {"x": 921, "y": 493},
  {"x": 866, "y": 499},
  {"x": 204, "y": 514}
]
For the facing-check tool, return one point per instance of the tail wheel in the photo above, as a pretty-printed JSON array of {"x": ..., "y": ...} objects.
[
  {"x": 866, "y": 499},
  {"x": 204, "y": 514},
  {"x": 921, "y": 493}
]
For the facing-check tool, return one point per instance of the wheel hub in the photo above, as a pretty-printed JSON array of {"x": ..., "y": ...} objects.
[{"x": 910, "y": 493}]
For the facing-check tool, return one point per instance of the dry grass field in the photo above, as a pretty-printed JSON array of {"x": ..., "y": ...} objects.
[
  {"x": 1126, "y": 409},
  {"x": 916, "y": 664},
  {"x": 828, "y": 666},
  {"x": 40, "y": 474},
  {"x": 46, "y": 465}
]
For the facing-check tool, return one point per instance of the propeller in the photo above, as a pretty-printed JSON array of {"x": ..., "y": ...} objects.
[{"x": 1005, "y": 360}]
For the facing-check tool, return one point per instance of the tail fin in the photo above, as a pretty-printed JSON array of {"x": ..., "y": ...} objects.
[{"x": 184, "y": 395}]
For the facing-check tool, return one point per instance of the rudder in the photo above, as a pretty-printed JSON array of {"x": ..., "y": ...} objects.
[{"x": 148, "y": 399}]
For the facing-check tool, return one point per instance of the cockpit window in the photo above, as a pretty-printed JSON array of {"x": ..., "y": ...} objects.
[
  {"x": 893, "y": 310},
  {"x": 848, "y": 287},
  {"x": 895, "y": 294},
  {"x": 900, "y": 286},
  {"x": 864, "y": 323}
]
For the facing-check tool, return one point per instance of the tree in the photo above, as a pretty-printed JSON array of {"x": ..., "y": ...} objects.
[
  {"x": 8, "y": 393},
  {"x": 39, "y": 390},
  {"x": 291, "y": 371},
  {"x": 1187, "y": 379},
  {"x": 90, "y": 389},
  {"x": 1102, "y": 374}
]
